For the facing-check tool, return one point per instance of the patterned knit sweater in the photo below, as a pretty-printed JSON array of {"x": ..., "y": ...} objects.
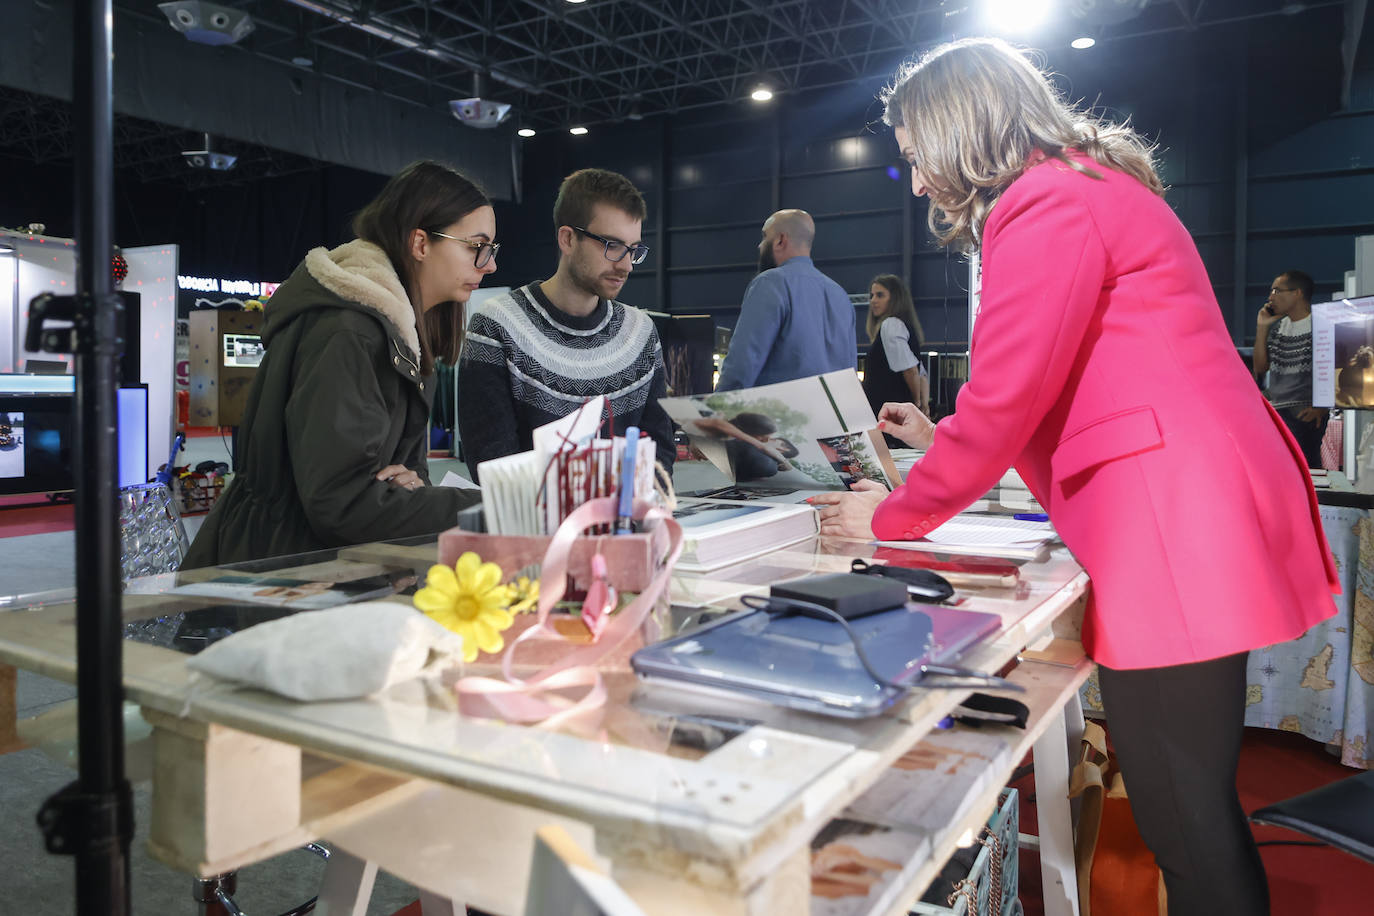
[{"x": 526, "y": 363}]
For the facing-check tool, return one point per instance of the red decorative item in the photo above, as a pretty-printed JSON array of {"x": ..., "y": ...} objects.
[{"x": 119, "y": 268}]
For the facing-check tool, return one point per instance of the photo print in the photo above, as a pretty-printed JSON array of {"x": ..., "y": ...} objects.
[{"x": 11, "y": 445}]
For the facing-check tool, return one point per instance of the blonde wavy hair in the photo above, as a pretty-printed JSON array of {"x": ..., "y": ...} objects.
[{"x": 975, "y": 110}]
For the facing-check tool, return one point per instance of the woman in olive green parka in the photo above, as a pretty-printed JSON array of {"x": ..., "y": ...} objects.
[{"x": 333, "y": 441}]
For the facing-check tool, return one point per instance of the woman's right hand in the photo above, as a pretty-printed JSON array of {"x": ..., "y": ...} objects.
[
  {"x": 398, "y": 475},
  {"x": 907, "y": 423}
]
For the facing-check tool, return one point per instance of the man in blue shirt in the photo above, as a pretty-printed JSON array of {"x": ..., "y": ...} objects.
[{"x": 795, "y": 321}]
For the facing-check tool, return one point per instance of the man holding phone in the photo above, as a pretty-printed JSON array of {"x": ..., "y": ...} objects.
[{"x": 1283, "y": 348}]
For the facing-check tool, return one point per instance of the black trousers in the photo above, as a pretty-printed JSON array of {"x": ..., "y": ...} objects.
[
  {"x": 1177, "y": 733},
  {"x": 1309, "y": 435}
]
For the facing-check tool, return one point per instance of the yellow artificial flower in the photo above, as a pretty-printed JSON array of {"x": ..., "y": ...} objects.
[
  {"x": 469, "y": 599},
  {"x": 524, "y": 595}
]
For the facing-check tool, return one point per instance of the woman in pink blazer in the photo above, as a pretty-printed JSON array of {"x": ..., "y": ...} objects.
[{"x": 1102, "y": 370}]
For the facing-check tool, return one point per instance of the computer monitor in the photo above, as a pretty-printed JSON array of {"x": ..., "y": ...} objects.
[
  {"x": 242, "y": 350},
  {"x": 36, "y": 435}
]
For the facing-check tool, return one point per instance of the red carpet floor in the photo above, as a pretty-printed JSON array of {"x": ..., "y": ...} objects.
[
  {"x": 1303, "y": 880},
  {"x": 21, "y": 515}
]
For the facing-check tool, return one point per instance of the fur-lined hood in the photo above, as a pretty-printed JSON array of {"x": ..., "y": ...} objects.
[{"x": 359, "y": 274}]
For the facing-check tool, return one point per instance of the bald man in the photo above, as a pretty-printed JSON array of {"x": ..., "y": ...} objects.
[{"x": 794, "y": 321}]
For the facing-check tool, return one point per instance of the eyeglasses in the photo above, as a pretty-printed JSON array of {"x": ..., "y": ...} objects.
[
  {"x": 482, "y": 252},
  {"x": 1279, "y": 289},
  {"x": 616, "y": 251}
]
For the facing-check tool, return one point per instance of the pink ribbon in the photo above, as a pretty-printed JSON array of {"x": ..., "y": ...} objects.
[{"x": 529, "y": 700}]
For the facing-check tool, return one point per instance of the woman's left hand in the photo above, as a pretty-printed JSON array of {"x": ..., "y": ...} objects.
[
  {"x": 850, "y": 514},
  {"x": 399, "y": 475}
]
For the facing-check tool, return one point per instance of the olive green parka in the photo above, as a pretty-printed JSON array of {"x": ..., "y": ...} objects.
[{"x": 339, "y": 396}]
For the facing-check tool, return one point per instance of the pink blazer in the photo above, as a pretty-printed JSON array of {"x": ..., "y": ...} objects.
[{"x": 1102, "y": 370}]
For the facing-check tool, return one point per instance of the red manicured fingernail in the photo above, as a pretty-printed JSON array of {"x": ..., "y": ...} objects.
[{"x": 882, "y": 423}]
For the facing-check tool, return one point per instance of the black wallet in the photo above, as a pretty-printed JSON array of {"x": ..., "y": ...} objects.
[{"x": 846, "y": 594}]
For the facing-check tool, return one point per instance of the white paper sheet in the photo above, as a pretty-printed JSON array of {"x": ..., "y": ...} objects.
[{"x": 452, "y": 479}]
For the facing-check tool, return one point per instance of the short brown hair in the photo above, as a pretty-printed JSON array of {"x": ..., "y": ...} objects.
[{"x": 584, "y": 189}]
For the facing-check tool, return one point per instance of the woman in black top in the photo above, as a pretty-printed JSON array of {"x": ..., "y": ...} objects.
[{"x": 892, "y": 365}]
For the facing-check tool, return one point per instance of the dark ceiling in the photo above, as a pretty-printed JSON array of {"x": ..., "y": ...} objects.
[{"x": 562, "y": 63}]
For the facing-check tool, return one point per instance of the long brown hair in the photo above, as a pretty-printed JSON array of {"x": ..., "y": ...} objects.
[
  {"x": 900, "y": 306},
  {"x": 975, "y": 111},
  {"x": 430, "y": 196}
]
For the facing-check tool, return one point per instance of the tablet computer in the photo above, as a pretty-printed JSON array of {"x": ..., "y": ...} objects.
[{"x": 810, "y": 664}]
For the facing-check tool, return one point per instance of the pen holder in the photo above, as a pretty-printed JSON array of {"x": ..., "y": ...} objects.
[
  {"x": 629, "y": 557},
  {"x": 570, "y": 661}
]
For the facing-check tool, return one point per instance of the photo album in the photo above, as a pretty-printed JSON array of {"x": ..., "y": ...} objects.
[
  {"x": 778, "y": 444},
  {"x": 816, "y": 433}
]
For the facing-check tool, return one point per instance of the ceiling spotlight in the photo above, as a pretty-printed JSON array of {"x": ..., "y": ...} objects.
[
  {"x": 577, "y": 1},
  {"x": 1082, "y": 44},
  {"x": 207, "y": 23},
  {"x": 1015, "y": 15},
  {"x": 526, "y": 131},
  {"x": 761, "y": 94},
  {"x": 577, "y": 131}
]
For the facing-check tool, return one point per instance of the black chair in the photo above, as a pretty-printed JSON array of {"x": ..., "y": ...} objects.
[{"x": 1340, "y": 815}]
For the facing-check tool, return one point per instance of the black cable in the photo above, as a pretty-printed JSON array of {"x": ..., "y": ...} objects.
[
  {"x": 1292, "y": 843},
  {"x": 781, "y": 607}
]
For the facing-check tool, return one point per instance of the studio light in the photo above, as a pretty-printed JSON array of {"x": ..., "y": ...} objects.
[
  {"x": 526, "y": 132},
  {"x": 1082, "y": 44},
  {"x": 577, "y": 131},
  {"x": 207, "y": 23},
  {"x": 761, "y": 94},
  {"x": 1015, "y": 15}
]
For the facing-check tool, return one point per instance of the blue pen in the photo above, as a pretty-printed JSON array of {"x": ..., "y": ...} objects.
[
  {"x": 624, "y": 522},
  {"x": 1031, "y": 517}
]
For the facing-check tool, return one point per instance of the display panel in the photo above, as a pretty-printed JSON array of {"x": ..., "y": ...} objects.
[
  {"x": 1343, "y": 353},
  {"x": 242, "y": 350},
  {"x": 35, "y": 444}
]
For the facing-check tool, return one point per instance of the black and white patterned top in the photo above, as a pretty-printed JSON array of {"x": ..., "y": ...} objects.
[
  {"x": 526, "y": 363},
  {"x": 1290, "y": 363}
]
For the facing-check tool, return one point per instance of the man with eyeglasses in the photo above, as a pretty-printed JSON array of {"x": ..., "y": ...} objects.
[
  {"x": 1285, "y": 352},
  {"x": 794, "y": 321},
  {"x": 539, "y": 352}
]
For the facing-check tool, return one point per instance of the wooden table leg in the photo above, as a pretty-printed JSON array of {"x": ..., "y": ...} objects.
[
  {"x": 218, "y": 793},
  {"x": 9, "y": 710},
  {"x": 1052, "y": 758}
]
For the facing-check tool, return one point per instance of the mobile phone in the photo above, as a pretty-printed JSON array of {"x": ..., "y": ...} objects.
[{"x": 1269, "y": 309}]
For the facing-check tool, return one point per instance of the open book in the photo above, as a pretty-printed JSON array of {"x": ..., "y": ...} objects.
[{"x": 816, "y": 433}]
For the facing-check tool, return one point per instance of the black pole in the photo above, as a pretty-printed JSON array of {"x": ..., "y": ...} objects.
[{"x": 92, "y": 819}]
